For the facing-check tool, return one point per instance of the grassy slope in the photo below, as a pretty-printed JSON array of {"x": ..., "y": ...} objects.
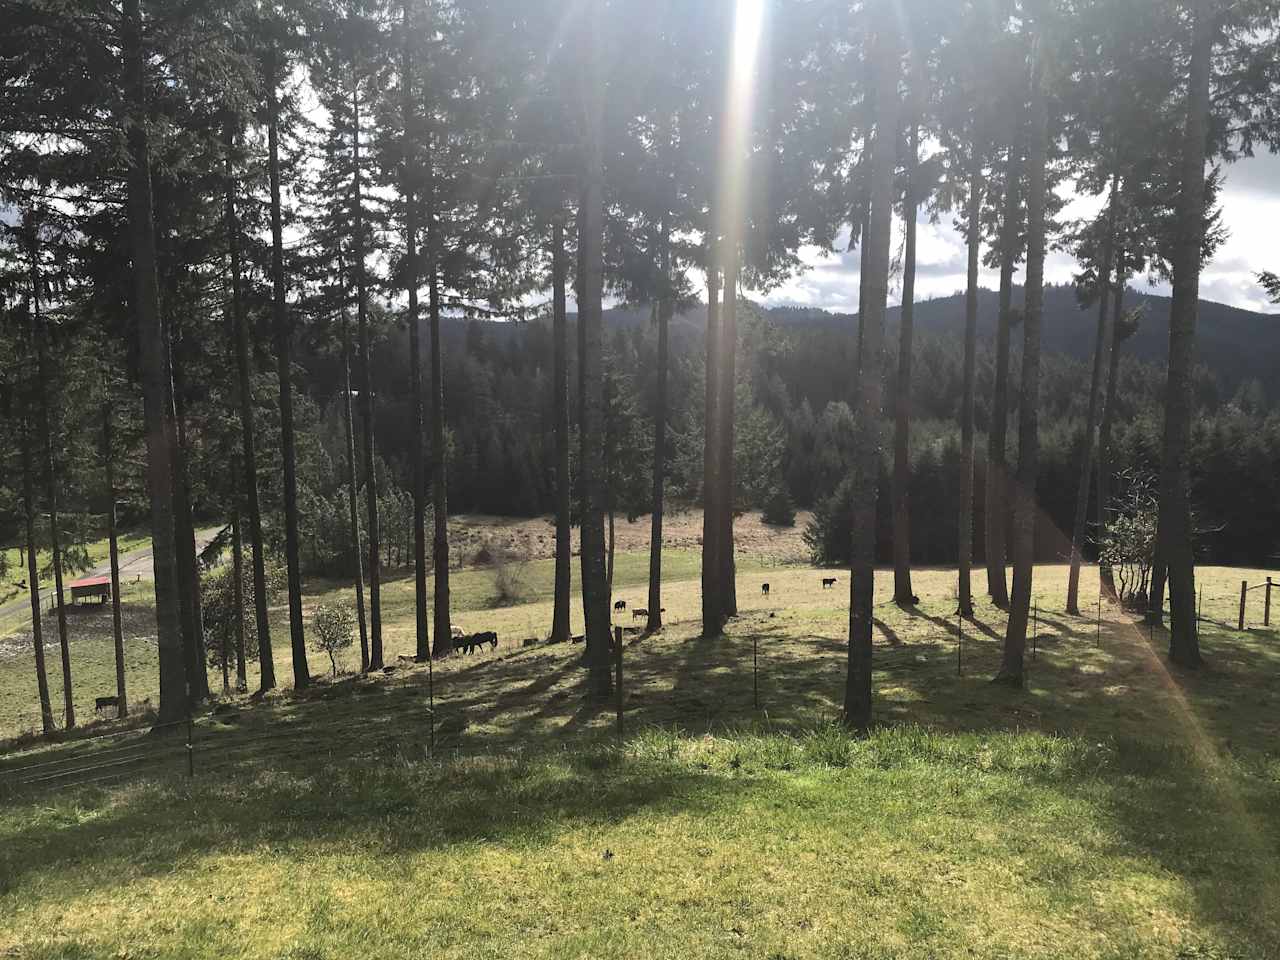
[{"x": 1113, "y": 810}]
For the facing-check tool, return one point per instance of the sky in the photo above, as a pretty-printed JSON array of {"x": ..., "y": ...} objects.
[{"x": 1251, "y": 213}]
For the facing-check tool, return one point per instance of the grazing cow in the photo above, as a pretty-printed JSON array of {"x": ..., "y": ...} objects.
[
  {"x": 764, "y": 589},
  {"x": 639, "y": 613},
  {"x": 106, "y": 703},
  {"x": 455, "y": 632},
  {"x": 477, "y": 640},
  {"x": 620, "y": 605},
  {"x": 828, "y": 582}
]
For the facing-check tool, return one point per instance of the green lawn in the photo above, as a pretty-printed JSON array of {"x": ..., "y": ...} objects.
[{"x": 1114, "y": 809}]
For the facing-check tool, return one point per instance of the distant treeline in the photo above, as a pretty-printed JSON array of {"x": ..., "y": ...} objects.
[{"x": 795, "y": 429}]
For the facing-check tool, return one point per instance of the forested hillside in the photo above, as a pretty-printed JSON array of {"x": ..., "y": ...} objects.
[
  {"x": 795, "y": 424},
  {"x": 1237, "y": 345}
]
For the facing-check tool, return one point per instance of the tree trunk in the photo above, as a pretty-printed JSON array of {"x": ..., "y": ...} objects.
[
  {"x": 903, "y": 594},
  {"x": 113, "y": 548},
  {"x": 863, "y": 266},
  {"x": 366, "y": 369},
  {"x": 1175, "y": 508},
  {"x": 727, "y": 384},
  {"x": 1108, "y": 415},
  {"x": 579, "y": 292},
  {"x": 665, "y": 310},
  {"x": 1100, "y": 345},
  {"x": 184, "y": 531},
  {"x": 248, "y": 446},
  {"x": 156, "y": 402},
  {"x": 712, "y": 608},
  {"x": 560, "y": 632},
  {"x": 609, "y": 566},
  {"x": 874, "y": 284},
  {"x": 1155, "y": 595},
  {"x": 50, "y": 482},
  {"x": 409, "y": 175},
  {"x": 1024, "y": 512},
  {"x": 997, "y": 437},
  {"x": 965, "y": 537},
  {"x": 594, "y": 585},
  {"x": 283, "y": 336},
  {"x": 33, "y": 582},
  {"x": 237, "y": 570},
  {"x": 352, "y": 492},
  {"x": 439, "y": 464}
]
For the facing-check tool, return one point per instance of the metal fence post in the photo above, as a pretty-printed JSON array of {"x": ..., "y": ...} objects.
[
  {"x": 1098, "y": 637},
  {"x": 617, "y": 643},
  {"x": 959, "y": 644},
  {"x": 191, "y": 753},
  {"x": 755, "y": 670},
  {"x": 431, "y": 704},
  {"x": 1035, "y": 633},
  {"x": 1266, "y": 607},
  {"x": 1244, "y": 592},
  {"x": 1199, "y": 611}
]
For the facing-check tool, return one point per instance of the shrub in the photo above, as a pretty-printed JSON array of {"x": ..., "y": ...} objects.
[
  {"x": 1129, "y": 544},
  {"x": 779, "y": 509},
  {"x": 509, "y": 567},
  {"x": 218, "y": 607},
  {"x": 332, "y": 630}
]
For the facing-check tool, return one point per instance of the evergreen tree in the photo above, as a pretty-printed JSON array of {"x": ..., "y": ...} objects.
[{"x": 1025, "y": 507}]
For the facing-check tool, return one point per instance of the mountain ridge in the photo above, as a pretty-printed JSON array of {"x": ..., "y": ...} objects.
[{"x": 1238, "y": 345}]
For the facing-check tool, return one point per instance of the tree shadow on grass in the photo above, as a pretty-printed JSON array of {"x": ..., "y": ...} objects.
[
  {"x": 367, "y": 794},
  {"x": 296, "y": 799}
]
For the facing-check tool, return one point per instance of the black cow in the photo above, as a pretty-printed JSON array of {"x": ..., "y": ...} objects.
[
  {"x": 764, "y": 589},
  {"x": 828, "y": 582},
  {"x": 620, "y": 605},
  {"x": 106, "y": 703},
  {"x": 474, "y": 642}
]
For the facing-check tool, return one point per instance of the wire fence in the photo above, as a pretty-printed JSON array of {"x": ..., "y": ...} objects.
[{"x": 406, "y": 718}]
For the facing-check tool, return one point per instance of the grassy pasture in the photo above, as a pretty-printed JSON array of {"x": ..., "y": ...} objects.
[
  {"x": 1113, "y": 809},
  {"x": 98, "y": 551}
]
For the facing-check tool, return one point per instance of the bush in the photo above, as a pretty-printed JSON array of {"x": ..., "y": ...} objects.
[
  {"x": 218, "y": 607},
  {"x": 333, "y": 630},
  {"x": 779, "y": 509},
  {"x": 509, "y": 568},
  {"x": 829, "y": 535}
]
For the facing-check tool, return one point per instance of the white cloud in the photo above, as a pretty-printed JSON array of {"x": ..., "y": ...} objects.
[{"x": 1251, "y": 209}]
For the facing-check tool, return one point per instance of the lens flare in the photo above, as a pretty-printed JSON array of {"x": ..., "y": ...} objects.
[{"x": 748, "y": 24}]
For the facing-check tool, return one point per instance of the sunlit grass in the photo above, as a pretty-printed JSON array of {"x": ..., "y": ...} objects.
[
  {"x": 1113, "y": 809},
  {"x": 746, "y": 843}
]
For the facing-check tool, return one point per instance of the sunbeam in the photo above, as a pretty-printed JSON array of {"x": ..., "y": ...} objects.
[{"x": 748, "y": 21}]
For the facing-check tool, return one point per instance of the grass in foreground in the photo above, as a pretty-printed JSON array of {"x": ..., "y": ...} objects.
[
  {"x": 1112, "y": 810},
  {"x": 909, "y": 844}
]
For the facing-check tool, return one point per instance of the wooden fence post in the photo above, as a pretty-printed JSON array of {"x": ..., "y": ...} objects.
[{"x": 1244, "y": 593}]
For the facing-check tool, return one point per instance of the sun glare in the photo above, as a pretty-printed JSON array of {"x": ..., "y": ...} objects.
[{"x": 748, "y": 22}]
